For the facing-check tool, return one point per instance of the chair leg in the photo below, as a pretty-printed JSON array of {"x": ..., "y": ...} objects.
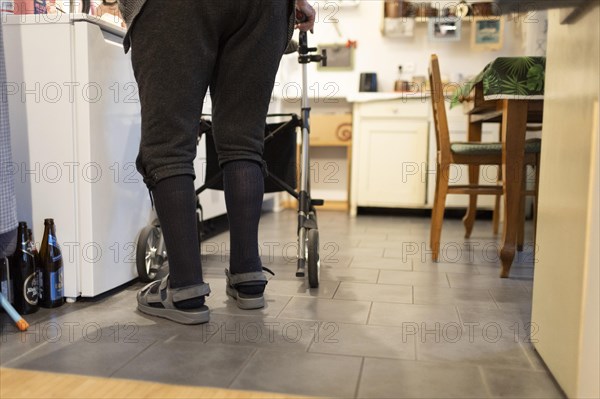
[
  {"x": 437, "y": 212},
  {"x": 521, "y": 231},
  {"x": 469, "y": 219},
  {"x": 434, "y": 211},
  {"x": 497, "y": 206},
  {"x": 496, "y": 215},
  {"x": 536, "y": 199}
]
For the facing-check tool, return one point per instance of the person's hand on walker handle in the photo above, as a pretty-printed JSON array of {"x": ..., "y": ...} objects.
[{"x": 305, "y": 15}]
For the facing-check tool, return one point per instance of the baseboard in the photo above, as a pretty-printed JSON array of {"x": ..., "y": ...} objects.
[{"x": 450, "y": 213}]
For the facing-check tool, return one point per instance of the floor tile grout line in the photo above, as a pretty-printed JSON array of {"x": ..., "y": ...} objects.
[
  {"x": 209, "y": 337},
  {"x": 284, "y": 306},
  {"x": 527, "y": 355},
  {"x": 370, "y": 356},
  {"x": 35, "y": 348},
  {"x": 486, "y": 366},
  {"x": 171, "y": 338},
  {"x": 325, "y": 321},
  {"x": 133, "y": 358},
  {"x": 460, "y": 320},
  {"x": 489, "y": 290},
  {"x": 415, "y": 348},
  {"x": 392, "y": 326},
  {"x": 351, "y": 261},
  {"x": 350, "y": 267},
  {"x": 454, "y": 363},
  {"x": 339, "y": 283},
  {"x": 336, "y": 355},
  {"x": 360, "y": 372},
  {"x": 486, "y": 385},
  {"x": 244, "y": 366},
  {"x": 366, "y": 300},
  {"x": 369, "y": 313},
  {"x": 314, "y": 337}
]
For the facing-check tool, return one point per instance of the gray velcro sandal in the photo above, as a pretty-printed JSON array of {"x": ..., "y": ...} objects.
[
  {"x": 161, "y": 302},
  {"x": 251, "y": 296}
]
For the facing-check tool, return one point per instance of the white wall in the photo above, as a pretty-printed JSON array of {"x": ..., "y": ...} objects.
[{"x": 376, "y": 53}]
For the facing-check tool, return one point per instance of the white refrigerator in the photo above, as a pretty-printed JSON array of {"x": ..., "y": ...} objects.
[{"x": 75, "y": 130}]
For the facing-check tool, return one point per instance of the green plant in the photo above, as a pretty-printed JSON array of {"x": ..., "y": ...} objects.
[{"x": 535, "y": 78}]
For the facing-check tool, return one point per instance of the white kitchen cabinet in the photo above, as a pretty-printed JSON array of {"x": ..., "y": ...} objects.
[
  {"x": 390, "y": 158},
  {"x": 394, "y": 153}
]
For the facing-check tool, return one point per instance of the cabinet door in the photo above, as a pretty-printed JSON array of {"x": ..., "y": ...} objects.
[
  {"x": 392, "y": 162},
  {"x": 113, "y": 204}
]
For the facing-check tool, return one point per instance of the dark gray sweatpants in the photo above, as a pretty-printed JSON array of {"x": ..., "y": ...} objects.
[{"x": 180, "y": 49}]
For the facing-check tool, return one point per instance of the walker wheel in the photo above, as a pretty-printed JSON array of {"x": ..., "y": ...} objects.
[
  {"x": 147, "y": 260},
  {"x": 313, "y": 261}
]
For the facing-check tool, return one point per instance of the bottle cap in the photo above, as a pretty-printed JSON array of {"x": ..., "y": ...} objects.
[
  {"x": 23, "y": 225},
  {"x": 48, "y": 221}
]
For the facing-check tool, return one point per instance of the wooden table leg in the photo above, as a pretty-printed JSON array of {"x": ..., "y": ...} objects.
[
  {"x": 497, "y": 205},
  {"x": 514, "y": 126},
  {"x": 473, "y": 134}
]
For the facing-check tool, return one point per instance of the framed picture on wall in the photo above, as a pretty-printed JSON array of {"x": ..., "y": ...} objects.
[
  {"x": 444, "y": 31},
  {"x": 487, "y": 33}
]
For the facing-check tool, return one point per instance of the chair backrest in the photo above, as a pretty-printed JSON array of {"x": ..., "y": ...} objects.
[{"x": 442, "y": 135}]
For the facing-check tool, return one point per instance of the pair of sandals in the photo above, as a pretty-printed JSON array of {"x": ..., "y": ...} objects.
[{"x": 158, "y": 299}]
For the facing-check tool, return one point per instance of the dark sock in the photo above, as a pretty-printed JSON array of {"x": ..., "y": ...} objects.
[
  {"x": 243, "y": 182},
  {"x": 251, "y": 288},
  {"x": 175, "y": 202}
]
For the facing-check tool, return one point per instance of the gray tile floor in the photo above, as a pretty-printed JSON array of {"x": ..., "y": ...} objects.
[{"x": 386, "y": 322}]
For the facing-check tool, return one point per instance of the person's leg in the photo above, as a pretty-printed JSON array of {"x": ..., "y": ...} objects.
[
  {"x": 173, "y": 55},
  {"x": 243, "y": 182},
  {"x": 241, "y": 91},
  {"x": 175, "y": 201}
]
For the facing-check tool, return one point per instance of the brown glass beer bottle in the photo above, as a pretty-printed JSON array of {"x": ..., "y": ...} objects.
[
  {"x": 23, "y": 270},
  {"x": 51, "y": 268}
]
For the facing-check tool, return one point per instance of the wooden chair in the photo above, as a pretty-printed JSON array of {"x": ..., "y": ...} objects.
[
  {"x": 469, "y": 218},
  {"x": 461, "y": 153}
]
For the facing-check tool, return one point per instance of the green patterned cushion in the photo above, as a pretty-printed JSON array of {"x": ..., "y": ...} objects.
[{"x": 468, "y": 148}]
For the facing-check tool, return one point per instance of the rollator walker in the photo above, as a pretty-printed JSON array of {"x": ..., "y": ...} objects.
[{"x": 280, "y": 149}]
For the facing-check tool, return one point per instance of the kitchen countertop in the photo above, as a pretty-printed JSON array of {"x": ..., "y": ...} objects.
[
  {"x": 62, "y": 19},
  {"x": 386, "y": 96}
]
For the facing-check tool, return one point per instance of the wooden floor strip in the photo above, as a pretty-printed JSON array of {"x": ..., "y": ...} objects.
[{"x": 35, "y": 384}]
